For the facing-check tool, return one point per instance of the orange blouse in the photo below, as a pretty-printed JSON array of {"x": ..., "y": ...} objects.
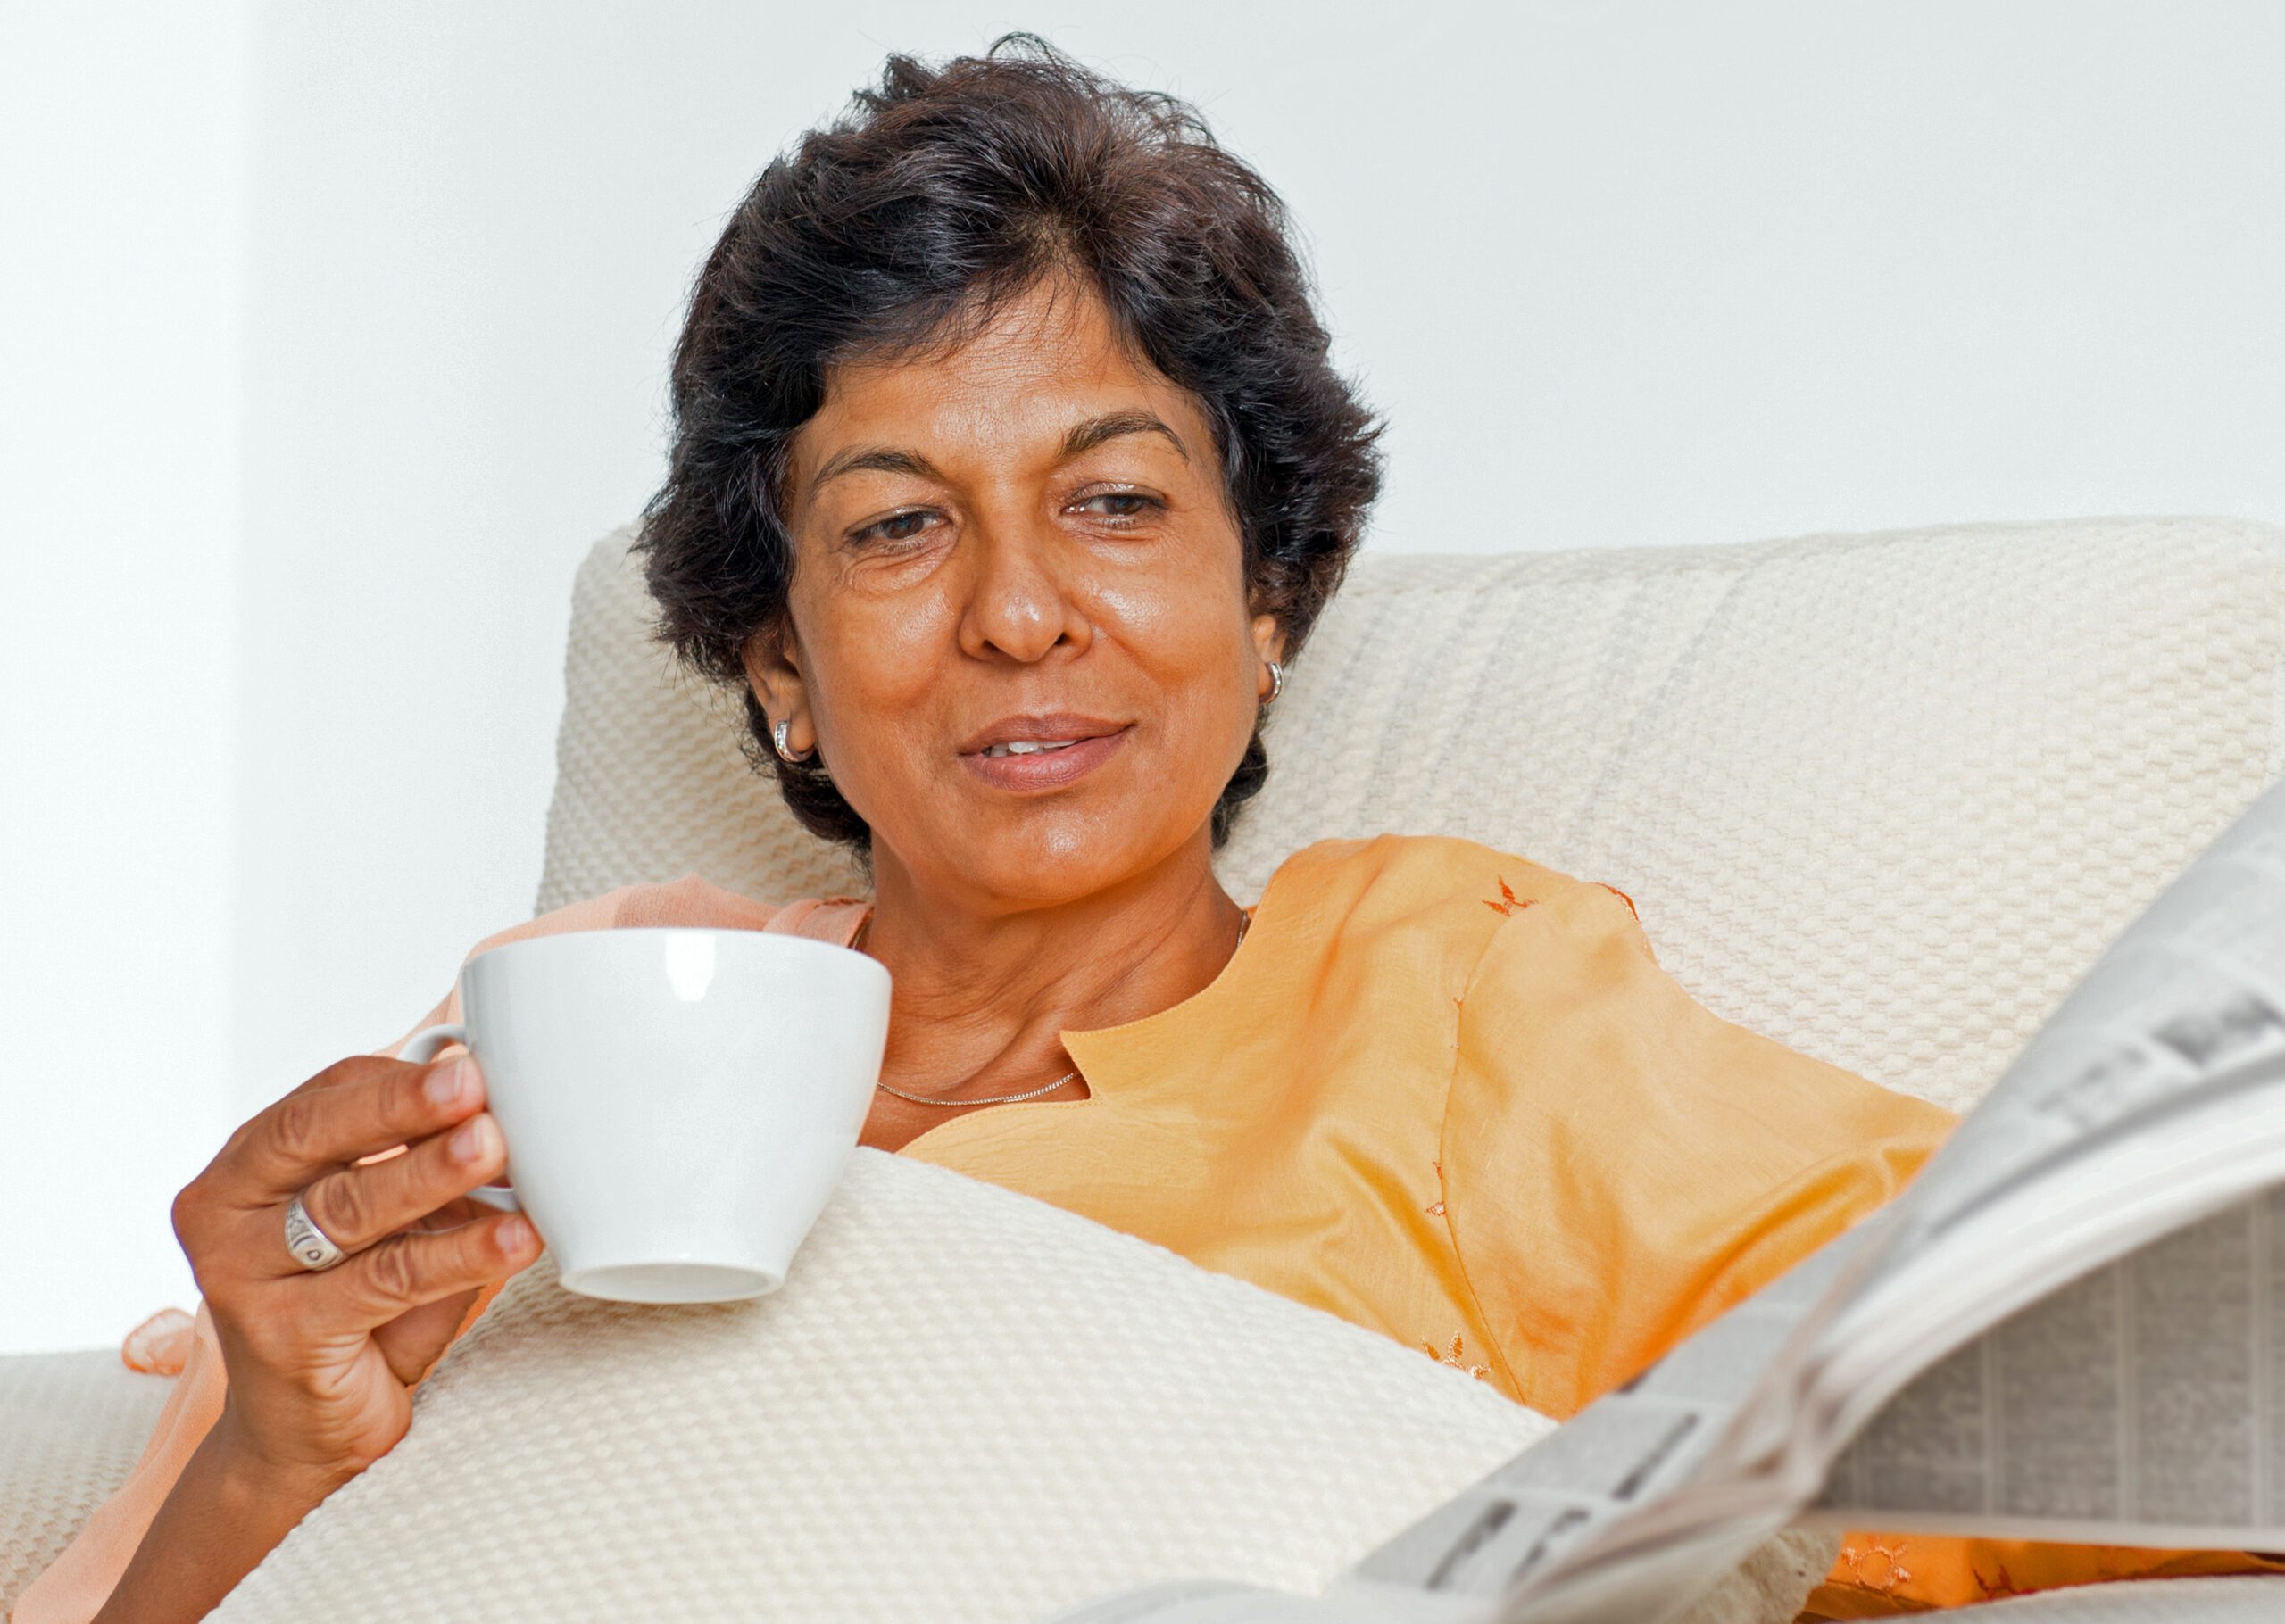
[{"x": 1440, "y": 1091}]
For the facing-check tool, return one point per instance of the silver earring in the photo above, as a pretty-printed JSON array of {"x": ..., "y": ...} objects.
[
  {"x": 778, "y": 737},
  {"x": 1276, "y": 683}
]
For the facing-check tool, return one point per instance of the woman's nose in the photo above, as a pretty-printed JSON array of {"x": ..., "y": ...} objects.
[{"x": 1021, "y": 599}]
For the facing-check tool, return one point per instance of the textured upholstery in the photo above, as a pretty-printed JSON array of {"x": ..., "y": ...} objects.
[
  {"x": 70, "y": 1426},
  {"x": 964, "y": 1405},
  {"x": 1882, "y": 797},
  {"x": 2198, "y": 1601}
]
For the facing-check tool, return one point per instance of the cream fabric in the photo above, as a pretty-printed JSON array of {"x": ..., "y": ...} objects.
[
  {"x": 2194, "y": 1601},
  {"x": 963, "y": 1406},
  {"x": 70, "y": 1428},
  {"x": 1880, "y": 797}
]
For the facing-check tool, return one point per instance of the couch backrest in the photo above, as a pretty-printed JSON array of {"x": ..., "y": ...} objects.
[{"x": 1882, "y": 797}]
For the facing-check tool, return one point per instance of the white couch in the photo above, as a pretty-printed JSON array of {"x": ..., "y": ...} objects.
[{"x": 1882, "y": 797}]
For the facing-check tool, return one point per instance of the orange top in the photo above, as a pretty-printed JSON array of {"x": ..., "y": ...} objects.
[{"x": 1440, "y": 1091}]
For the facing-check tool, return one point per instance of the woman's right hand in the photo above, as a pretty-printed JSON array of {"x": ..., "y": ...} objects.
[{"x": 320, "y": 1363}]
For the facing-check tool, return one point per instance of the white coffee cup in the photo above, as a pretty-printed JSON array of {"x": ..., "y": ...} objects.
[{"x": 677, "y": 1103}]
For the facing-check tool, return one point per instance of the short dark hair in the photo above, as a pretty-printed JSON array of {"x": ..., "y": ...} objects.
[{"x": 941, "y": 194}]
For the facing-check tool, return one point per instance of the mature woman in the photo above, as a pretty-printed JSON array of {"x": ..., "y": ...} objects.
[{"x": 1009, "y": 475}]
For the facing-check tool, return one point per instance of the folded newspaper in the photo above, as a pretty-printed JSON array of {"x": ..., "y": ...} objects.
[{"x": 2071, "y": 1326}]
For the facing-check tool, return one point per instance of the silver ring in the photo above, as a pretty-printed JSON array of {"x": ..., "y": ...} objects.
[{"x": 310, "y": 1246}]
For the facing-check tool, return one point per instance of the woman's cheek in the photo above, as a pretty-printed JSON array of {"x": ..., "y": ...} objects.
[
  {"x": 887, "y": 663},
  {"x": 1217, "y": 707}
]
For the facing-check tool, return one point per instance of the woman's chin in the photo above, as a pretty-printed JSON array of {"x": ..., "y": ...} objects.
[{"x": 1049, "y": 860}]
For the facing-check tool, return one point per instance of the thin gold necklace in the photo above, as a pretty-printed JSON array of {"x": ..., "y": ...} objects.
[{"x": 1004, "y": 1099}]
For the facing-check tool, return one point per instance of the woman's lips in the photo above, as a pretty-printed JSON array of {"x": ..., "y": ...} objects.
[{"x": 1047, "y": 769}]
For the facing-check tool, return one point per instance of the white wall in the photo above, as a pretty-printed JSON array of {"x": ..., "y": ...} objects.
[
  {"x": 122, "y": 178},
  {"x": 1618, "y": 275}
]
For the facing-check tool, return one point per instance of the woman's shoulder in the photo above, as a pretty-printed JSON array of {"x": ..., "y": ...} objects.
[
  {"x": 1443, "y": 871},
  {"x": 1433, "y": 905},
  {"x": 691, "y": 901}
]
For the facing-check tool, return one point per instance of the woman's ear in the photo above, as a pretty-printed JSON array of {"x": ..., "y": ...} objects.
[
  {"x": 774, "y": 672},
  {"x": 1268, "y": 644}
]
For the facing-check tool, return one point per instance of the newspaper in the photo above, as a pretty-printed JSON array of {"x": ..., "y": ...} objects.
[
  {"x": 2141, "y": 1405},
  {"x": 2071, "y": 1326}
]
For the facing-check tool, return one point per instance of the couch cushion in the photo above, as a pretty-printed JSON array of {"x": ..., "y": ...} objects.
[
  {"x": 70, "y": 1428},
  {"x": 964, "y": 1404},
  {"x": 2169, "y": 1600},
  {"x": 1880, "y": 797}
]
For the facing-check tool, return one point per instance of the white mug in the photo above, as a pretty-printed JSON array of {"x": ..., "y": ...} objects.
[{"x": 677, "y": 1103}]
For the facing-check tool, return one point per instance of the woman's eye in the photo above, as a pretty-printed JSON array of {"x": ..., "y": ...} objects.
[
  {"x": 1119, "y": 504},
  {"x": 895, "y": 527}
]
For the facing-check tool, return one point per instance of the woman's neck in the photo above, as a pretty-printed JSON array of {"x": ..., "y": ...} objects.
[{"x": 982, "y": 994}]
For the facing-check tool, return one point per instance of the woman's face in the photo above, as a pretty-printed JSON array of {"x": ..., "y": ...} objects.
[{"x": 1022, "y": 539}]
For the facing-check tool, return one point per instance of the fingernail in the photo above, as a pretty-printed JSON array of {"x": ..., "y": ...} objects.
[
  {"x": 447, "y": 1083},
  {"x": 513, "y": 1235},
  {"x": 471, "y": 1138}
]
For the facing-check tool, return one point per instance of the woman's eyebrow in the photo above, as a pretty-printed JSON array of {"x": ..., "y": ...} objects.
[
  {"x": 877, "y": 459},
  {"x": 1085, "y": 437},
  {"x": 1080, "y": 438}
]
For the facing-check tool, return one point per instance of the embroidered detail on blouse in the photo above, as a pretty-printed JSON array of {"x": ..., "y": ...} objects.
[
  {"x": 160, "y": 1345},
  {"x": 1436, "y": 1210},
  {"x": 1507, "y": 903},
  {"x": 1995, "y": 1589},
  {"x": 1621, "y": 895},
  {"x": 1876, "y": 1566},
  {"x": 1455, "y": 1358}
]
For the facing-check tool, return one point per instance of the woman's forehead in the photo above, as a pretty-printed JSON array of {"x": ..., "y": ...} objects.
[{"x": 1045, "y": 364}]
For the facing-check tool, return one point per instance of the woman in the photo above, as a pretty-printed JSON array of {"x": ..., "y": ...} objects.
[{"x": 1010, "y": 473}]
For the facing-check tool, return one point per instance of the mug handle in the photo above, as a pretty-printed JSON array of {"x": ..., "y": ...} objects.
[{"x": 421, "y": 1049}]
